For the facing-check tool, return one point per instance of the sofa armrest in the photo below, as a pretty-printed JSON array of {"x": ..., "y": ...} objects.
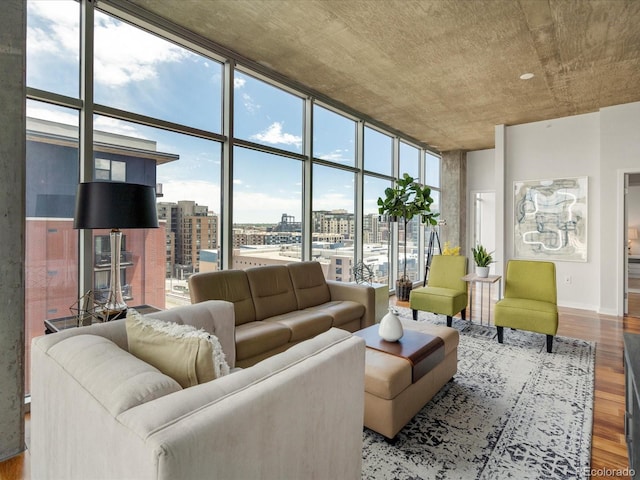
[{"x": 363, "y": 294}]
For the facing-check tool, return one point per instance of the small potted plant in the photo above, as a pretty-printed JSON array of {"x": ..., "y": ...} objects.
[
  {"x": 406, "y": 199},
  {"x": 483, "y": 259}
]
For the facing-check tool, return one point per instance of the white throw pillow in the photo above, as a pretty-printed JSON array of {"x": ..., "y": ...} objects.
[{"x": 186, "y": 354}]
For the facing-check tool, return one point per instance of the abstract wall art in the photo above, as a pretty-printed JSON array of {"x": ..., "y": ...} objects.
[{"x": 551, "y": 219}]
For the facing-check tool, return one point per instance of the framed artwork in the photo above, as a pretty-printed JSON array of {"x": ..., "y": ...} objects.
[{"x": 551, "y": 219}]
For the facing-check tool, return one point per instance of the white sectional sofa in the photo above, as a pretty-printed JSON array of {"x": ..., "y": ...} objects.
[{"x": 99, "y": 412}]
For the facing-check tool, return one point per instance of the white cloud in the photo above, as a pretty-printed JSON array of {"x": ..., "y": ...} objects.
[
  {"x": 249, "y": 207},
  {"x": 52, "y": 115},
  {"x": 61, "y": 34},
  {"x": 249, "y": 104},
  {"x": 239, "y": 82},
  {"x": 123, "y": 53},
  {"x": 333, "y": 201},
  {"x": 275, "y": 136},
  {"x": 201, "y": 192},
  {"x": 113, "y": 125},
  {"x": 126, "y": 54},
  {"x": 262, "y": 207},
  {"x": 336, "y": 156}
]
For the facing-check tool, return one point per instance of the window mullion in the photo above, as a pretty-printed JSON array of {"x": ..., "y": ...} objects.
[{"x": 85, "y": 247}]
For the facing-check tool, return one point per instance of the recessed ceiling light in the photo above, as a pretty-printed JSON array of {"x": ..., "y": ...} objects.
[{"x": 526, "y": 76}]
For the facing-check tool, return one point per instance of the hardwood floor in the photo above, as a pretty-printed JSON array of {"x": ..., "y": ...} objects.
[{"x": 609, "y": 449}]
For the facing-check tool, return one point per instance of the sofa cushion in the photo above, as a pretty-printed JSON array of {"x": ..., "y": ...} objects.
[
  {"x": 114, "y": 377},
  {"x": 188, "y": 355},
  {"x": 229, "y": 285},
  {"x": 341, "y": 311},
  {"x": 255, "y": 338},
  {"x": 309, "y": 284},
  {"x": 272, "y": 290},
  {"x": 303, "y": 324}
]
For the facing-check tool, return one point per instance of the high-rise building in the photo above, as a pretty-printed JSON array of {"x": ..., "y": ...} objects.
[
  {"x": 168, "y": 212},
  {"x": 334, "y": 221},
  {"x": 195, "y": 229}
]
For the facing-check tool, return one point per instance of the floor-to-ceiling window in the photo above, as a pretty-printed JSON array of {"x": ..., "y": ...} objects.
[
  {"x": 52, "y": 165},
  {"x": 432, "y": 243},
  {"x": 267, "y": 208},
  {"x": 268, "y": 126},
  {"x": 378, "y": 155},
  {"x": 333, "y": 203},
  {"x": 154, "y": 109},
  {"x": 246, "y": 168},
  {"x": 409, "y": 259}
]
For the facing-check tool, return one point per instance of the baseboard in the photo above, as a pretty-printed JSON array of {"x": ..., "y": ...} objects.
[
  {"x": 608, "y": 311},
  {"x": 579, "y": 306}
]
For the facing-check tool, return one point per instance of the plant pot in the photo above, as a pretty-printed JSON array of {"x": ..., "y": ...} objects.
[
  {"x": 482, "y": 272},
  {"x": 390, "y": 328},
  {"x": 403, "y": 289}
]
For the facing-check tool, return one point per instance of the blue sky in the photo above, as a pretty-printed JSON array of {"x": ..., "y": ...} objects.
[{"x": 139, "y": 72}]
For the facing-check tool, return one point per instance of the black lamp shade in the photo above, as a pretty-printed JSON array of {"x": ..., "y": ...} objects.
[{"x": 115, "y": 205}]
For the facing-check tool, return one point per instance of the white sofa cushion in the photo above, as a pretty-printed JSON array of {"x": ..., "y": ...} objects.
[
  {"x": 114, "y": 377},
  {"x": 188, "y": 355}
]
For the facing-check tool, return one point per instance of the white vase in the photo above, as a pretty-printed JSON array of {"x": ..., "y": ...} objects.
[
  {"x": 482, "y": 272},
  {"x": 390, "y": 328}
]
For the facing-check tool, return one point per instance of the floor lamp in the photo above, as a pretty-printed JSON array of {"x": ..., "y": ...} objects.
[
  {"x": 433, "y": 238},
  {"x": 115, "y": 205}
]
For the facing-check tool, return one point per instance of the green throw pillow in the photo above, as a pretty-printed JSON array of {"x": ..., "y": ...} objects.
[{"x": 184, "y": 353}]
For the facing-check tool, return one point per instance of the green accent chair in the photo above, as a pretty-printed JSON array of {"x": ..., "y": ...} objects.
[
  {"x": 446, "y": 292},
  {"x": 530, "y": 300}
]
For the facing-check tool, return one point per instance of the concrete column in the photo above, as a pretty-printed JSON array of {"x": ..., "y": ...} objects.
[
  {"x": 453, "y": 203},
  {"x": 12, "y": 225}
]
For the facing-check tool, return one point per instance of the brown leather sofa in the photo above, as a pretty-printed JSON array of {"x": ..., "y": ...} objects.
[{"x": 277, "y": 306}]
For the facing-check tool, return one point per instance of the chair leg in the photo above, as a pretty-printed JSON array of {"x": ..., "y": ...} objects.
[
  {"x": 415, "y": 314},
  {"x": 500, "y": 334},
  {"x": 549, "y": 343},
  {"x": 463, "y": 313},
  {"x": 449, "y": 320}
]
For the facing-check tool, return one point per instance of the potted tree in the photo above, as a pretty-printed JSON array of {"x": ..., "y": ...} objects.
[
  {"x": 406, "y": 199},
  {"x": 483, "y": 259}
]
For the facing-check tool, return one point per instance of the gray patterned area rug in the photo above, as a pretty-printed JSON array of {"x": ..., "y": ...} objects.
[{"x": 512, "y": 411}]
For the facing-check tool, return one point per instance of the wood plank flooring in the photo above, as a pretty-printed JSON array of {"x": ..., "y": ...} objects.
[{"x": 609, "y": 450}]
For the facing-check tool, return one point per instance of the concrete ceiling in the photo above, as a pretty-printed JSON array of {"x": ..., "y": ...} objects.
[{"x": 444, "y": 72}]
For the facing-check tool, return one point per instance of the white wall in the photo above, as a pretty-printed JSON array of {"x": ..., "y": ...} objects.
[
  {"x": 480, "y": 171},
  {"x": 602, "y": 146},
  {"x": 565, "y": 147},
  {"x": 619, "y": 153}
]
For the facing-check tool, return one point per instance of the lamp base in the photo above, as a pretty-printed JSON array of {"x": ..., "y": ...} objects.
[
  {"x": 115, "y": 305},
  {"x": 112, "y": 314}
]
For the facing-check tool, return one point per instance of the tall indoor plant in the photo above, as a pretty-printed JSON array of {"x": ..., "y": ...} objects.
[{"x": 406, "y": 199}]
